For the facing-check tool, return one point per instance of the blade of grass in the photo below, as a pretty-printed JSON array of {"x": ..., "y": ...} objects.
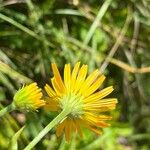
[
  {"x": 97, "y": 20},
  {"x": 137, "y": 77},
  {"x": 4, "y": 80},
  {"x": 68, "y": 12},
  {"x": 13, "y": 145},
  {"x": 4, "y": 68},
  {"x": 5, "y": 58},
  {"x": 62, "y": 144},
  {"x": 23, "y": 28},
  {"x": 11, "y": 2},
  {"x": 117, "y": 43}
]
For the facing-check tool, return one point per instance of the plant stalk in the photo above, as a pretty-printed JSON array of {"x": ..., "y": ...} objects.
[
  {"x": 53, "y": 123},
  {"x": 7, "y": 109}
]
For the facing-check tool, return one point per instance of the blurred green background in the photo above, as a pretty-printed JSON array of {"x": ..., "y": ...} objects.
[{"x": 112, "y": 35}]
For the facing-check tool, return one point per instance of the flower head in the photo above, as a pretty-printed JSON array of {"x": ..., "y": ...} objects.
[
  {"x": 80, "y": 93},
  {"x": 28, "y": 98}
]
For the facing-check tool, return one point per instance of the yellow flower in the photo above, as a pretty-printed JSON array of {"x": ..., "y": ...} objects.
[
  {"x": 28, "y": 98},
  {"x": 81, "y": 94}
]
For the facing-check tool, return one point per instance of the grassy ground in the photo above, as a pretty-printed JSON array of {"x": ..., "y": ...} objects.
[{"x": 111, "y": 35}]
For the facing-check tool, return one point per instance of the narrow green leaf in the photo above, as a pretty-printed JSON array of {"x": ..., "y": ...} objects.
[{"x": 13, "y": 145}]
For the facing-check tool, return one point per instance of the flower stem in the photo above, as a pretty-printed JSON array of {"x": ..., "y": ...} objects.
[
  {"x": 54, "y": 122},
  {"x": 7, "y": 109}
]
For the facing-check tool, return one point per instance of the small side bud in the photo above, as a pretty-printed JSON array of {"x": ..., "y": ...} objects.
[{"x": 28, "y": 98}]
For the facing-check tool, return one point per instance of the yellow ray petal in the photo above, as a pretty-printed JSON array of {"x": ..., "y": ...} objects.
[
  {"x": 102, "y": 103},
  {"x": 81, "y": 77},
  {"x": 92, "y": 128},
  {"x": 72, "y": 127},
  {"x": 36, "y": 96},
  {"x": 97, "y": 131},
  {"x": 99, "y": 95},
  {"x": 95, "y": 120},
  {"x": 100, "y": 109},
  {"x": 77, "y": 125},
  {"x": 102, "y": 124},
  {"x": 60, "y": 128},
  {"x": 105, "y": 117},
  {"x": 37, "y": 103},
  {"x": 109, "y": 100},
  {"x": 32, "y": 86},
  {"x": 68, "y": 129},
  {"x": 90, "y": 79},
  {"x": 49, "y": 91},
  {"x": 57, "y": 76},
  {"x": 90, "y": 117},
  {"x": 67, "y": 77},
  {"x": 52, "y": 104},
  {"x": 56, "y": 87},
  {"x": 74, "y": 75},
  {"x": 94, "y": 86}
]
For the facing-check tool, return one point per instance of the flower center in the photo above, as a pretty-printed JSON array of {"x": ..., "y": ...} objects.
[{"x": 74, "y": 103}]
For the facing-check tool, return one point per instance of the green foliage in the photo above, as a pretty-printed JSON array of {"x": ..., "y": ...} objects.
[
  {"x": 13, "y": 145},
  {"x": 34, "y": 33}
]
